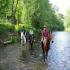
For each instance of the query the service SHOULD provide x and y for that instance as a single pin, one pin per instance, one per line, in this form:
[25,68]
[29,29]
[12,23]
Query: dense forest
[14,14]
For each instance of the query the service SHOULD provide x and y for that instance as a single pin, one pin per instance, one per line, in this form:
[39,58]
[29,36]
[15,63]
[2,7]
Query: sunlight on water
[59,53]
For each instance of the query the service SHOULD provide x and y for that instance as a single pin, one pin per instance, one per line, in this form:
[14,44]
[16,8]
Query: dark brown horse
[31,41]
[45,46]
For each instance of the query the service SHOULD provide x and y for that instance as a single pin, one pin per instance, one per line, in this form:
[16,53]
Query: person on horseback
[44,40]
[31,31]
[31,38]
[44,34]
[23,38]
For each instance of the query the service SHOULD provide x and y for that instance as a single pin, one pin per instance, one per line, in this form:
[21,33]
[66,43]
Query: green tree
[35,13]
[5,8]
[67,21]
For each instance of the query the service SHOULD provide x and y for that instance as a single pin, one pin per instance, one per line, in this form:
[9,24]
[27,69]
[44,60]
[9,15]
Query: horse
[31,41]
[45,46]
[23,39]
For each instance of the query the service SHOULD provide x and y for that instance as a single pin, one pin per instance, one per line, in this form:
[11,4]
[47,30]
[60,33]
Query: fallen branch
[7,42]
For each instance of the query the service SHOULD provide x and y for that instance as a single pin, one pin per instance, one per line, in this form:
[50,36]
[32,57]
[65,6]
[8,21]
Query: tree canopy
[67,21]
[31,13]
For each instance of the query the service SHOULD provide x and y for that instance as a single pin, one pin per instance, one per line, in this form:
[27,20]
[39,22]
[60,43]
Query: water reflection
[59,53]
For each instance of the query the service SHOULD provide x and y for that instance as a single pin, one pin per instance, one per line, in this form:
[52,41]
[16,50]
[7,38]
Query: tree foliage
[67,21]
[35,13]
[5,6]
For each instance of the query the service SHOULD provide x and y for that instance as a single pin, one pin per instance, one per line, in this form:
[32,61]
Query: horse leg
[43,54]
[46,54]
[31,46]
[42,45]
[47,48]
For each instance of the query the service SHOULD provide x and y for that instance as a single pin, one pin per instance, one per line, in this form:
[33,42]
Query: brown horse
[31,41]
[45,46]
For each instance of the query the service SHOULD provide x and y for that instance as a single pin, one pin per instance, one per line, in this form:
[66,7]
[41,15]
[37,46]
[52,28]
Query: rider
[31,33]
[44,41]
[44,34]
[31,37]
[23,34]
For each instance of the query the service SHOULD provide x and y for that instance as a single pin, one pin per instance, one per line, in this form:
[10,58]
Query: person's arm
[25,32]
[41,33]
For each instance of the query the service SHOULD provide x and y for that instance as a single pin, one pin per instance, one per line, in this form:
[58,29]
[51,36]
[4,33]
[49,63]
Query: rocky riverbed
[14,57]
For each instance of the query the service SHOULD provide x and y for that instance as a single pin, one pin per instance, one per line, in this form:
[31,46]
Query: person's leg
[21,38]
[24,39]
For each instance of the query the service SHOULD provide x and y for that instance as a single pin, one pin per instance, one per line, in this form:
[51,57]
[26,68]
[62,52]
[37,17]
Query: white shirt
[31,31]
[22,35]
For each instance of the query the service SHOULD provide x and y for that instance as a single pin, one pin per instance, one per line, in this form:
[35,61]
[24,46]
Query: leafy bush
[15,38]
[18,27]
[6,27]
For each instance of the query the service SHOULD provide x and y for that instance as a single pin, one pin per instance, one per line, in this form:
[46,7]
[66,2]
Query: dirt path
[11,58]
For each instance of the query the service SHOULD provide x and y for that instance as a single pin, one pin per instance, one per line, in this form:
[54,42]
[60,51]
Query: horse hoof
[46,57]
[44,60]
